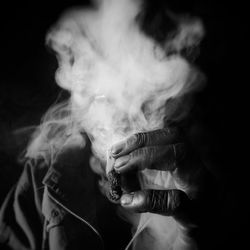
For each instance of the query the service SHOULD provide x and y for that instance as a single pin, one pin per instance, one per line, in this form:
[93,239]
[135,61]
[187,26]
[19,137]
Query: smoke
[121,81]
[118,77]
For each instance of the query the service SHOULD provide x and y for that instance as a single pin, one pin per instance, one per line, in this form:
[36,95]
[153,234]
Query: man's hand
[160,150]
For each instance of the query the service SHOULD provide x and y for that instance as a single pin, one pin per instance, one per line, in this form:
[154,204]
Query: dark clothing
[60,207]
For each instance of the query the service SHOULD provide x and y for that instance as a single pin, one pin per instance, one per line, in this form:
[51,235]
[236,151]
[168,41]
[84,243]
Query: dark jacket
[60,207]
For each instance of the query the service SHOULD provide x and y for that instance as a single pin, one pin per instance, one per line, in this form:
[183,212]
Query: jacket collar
[72,183]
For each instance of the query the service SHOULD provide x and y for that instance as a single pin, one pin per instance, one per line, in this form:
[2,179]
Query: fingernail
[117,148]
[126,199]
[121,161]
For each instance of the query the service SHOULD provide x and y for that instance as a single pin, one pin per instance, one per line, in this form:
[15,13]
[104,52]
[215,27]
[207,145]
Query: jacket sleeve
[21,220]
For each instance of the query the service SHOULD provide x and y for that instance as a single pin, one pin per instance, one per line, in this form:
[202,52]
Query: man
[59,206]
[117,87]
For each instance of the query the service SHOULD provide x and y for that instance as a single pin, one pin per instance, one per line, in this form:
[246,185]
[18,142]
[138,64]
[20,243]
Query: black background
[27,89]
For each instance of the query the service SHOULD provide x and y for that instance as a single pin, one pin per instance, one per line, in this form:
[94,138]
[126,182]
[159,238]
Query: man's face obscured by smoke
[120,78]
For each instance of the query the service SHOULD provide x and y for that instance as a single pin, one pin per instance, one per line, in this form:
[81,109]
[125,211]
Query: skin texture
[160,150]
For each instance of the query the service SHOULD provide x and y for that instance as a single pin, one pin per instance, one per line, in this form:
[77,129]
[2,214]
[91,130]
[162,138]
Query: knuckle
[150,154]
[141,139]
[138,156]
[157,201]
[167,202]
[143,156]
[133,141]
[136,153]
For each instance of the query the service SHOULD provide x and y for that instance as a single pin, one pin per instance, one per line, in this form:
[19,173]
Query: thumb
[166,202]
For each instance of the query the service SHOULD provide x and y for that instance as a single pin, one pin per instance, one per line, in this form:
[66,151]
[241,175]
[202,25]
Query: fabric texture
[59,207]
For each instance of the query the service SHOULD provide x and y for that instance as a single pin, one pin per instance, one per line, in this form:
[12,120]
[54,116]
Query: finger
[165,158]
[153,138]
[165,202]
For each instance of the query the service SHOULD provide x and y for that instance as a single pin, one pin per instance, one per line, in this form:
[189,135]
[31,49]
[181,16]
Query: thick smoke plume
[119,78]
[120,81]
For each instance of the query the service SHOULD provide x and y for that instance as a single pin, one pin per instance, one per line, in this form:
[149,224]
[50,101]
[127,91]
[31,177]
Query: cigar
[114,191]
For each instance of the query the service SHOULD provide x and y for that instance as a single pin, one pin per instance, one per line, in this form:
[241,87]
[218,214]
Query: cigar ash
[115,190]
[114,179]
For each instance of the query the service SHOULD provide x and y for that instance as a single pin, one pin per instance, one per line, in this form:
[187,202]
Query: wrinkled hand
[160,150]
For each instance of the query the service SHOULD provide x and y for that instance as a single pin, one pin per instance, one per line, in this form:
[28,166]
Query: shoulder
[69,160]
